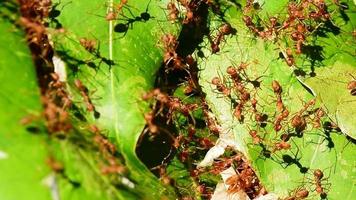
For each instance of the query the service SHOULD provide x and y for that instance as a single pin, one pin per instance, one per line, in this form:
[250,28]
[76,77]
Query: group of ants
[236,89]
[303,20]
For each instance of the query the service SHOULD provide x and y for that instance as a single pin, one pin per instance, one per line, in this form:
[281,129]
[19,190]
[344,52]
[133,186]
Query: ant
[234,74]
[282,116]
[318,175]
[87,100]
[121,5]
[210,119]
[149,117]
[298,194]
[89,45]
[224,30]
[55,165]
[289,58]
[318,114]
[173,11]
[221,87]
[249,23]
[318,180]
[99,139]
[298,122]
[58,86]
[255,137]
[224,163]
[352,86]
[282,145]
[171,58]
[277,89]
[245,179]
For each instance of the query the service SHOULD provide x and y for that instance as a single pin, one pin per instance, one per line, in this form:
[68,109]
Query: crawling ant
[277,89]
[255,137]
[352,86]
[87,100]
[234,74]
[249,23]
[298,122]
[224,30]
[289,57]
[319,113]
[149,117]
[171,58]
[318,179]
[298,194]
[105,146]
[210,119]
[110,16]
[224,163]
[173,11]
[89,45]
[163,176]
[307,105]
[113,169]
[238,112]
[121,5]
[245,180]
[318,175]
[221,86]
[282,145]
[55,165]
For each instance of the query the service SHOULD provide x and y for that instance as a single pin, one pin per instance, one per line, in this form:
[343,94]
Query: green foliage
[22,151]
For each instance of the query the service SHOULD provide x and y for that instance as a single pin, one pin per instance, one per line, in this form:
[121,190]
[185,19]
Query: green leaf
[317,149]
[124,70]
[335,71]
[22,153]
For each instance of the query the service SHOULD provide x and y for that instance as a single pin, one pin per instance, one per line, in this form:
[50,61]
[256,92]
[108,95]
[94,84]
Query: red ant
[245,180]
[248,22]
[84,92]
[149,121]
[255,137]
[298,194]
[210,120]
[170,44]
[352,86]
[289,57]
[89,45]
[234,74]
[55,165]
[318,179]
[221,87]
[173,11]
[224,163]
[224,30]
[298,122]
[282,145]
[277,89]
[121,5]
[238,112]
[318,114]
